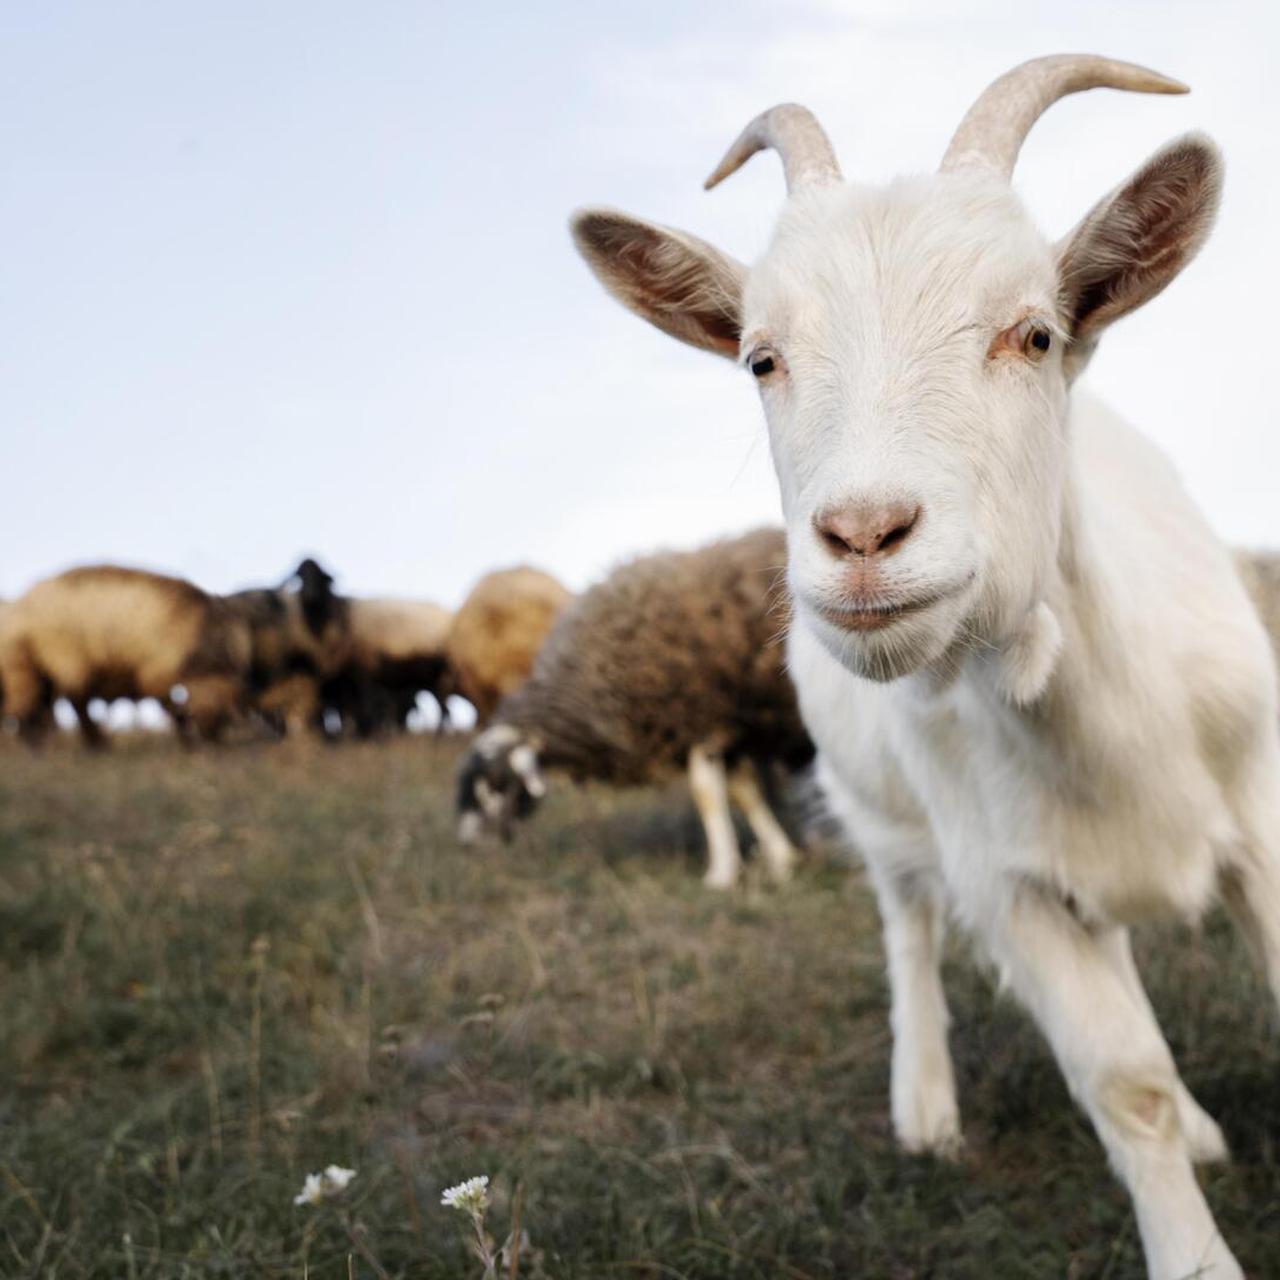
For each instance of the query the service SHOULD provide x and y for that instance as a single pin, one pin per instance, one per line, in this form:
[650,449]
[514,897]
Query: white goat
[1039,691]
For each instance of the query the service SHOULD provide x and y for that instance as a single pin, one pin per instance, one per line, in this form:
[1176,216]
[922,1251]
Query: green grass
[222,970]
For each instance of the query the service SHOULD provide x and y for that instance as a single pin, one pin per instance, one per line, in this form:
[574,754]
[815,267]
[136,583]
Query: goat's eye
[763,361]
[1029,338]
[1032,338]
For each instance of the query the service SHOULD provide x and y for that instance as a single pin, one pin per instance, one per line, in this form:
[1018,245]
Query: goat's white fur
[1080,732]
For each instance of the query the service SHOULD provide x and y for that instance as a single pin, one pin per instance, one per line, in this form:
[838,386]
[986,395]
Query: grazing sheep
[674,661]
[108,632]
[1038,688]
[301,638]
[497,632]
[397,652]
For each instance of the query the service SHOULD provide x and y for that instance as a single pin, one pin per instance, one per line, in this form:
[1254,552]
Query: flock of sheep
[673,661]
[292,658]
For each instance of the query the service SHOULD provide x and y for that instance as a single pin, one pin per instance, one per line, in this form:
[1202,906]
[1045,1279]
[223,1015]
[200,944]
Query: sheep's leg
[1204,1137]
[28,698]
[775,845]
[710,795]
[1118,1067]
[926,1116]
[90,729]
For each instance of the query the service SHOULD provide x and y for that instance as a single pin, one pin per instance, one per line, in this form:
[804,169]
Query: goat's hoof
[932,1131]
[942,1146]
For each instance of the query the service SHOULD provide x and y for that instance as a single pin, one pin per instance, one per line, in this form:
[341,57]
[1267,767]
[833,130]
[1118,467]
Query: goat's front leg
[926,1117]
[775,845]
[1204,1137]
[711,797]
[1118,1067]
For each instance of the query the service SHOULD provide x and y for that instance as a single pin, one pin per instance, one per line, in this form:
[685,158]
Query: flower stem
[355,1232]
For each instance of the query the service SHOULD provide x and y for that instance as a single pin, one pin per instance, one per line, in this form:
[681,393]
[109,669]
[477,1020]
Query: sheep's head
[499,782]
[913,347]
[320,604]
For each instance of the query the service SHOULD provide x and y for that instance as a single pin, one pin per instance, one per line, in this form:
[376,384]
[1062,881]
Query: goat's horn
[995,127]
[795,134]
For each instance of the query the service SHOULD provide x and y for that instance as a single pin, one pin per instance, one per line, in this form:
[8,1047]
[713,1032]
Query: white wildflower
[471,1196]
[324,1186]
[312,1190]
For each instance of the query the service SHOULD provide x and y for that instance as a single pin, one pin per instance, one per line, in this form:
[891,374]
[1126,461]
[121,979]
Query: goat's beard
[904,647]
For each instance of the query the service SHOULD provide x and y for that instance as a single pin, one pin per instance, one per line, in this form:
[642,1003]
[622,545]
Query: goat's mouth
[850,617]
[888,635]
[877,613]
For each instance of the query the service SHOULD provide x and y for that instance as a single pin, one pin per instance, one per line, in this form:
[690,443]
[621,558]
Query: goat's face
[913,347]
[916,423]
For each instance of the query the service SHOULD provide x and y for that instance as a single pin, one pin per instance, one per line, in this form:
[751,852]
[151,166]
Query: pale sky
[294,277]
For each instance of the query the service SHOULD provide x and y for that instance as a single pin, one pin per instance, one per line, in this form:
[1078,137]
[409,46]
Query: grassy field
[222,970]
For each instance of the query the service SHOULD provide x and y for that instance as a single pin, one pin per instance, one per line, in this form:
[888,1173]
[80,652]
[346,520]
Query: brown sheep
[302,638]
[397,651]
[109,632]
[674,661]
[497,633]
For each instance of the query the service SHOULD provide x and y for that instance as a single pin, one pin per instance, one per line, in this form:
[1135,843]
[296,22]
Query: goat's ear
[675,281]
[1132,243]
[1136,240]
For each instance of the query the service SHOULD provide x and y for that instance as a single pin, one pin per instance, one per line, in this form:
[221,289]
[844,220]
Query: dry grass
[221,970]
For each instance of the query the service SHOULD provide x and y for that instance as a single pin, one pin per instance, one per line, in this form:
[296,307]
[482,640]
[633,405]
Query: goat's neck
[1080,592]
[1085,590]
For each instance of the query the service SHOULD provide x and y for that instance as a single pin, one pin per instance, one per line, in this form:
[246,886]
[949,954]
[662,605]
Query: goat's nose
[866,529]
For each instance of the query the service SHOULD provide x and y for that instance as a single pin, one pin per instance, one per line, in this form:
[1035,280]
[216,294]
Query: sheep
[397,651]
[104,631]
[497,632]
[674,661]
[1039,692]
[302,637]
